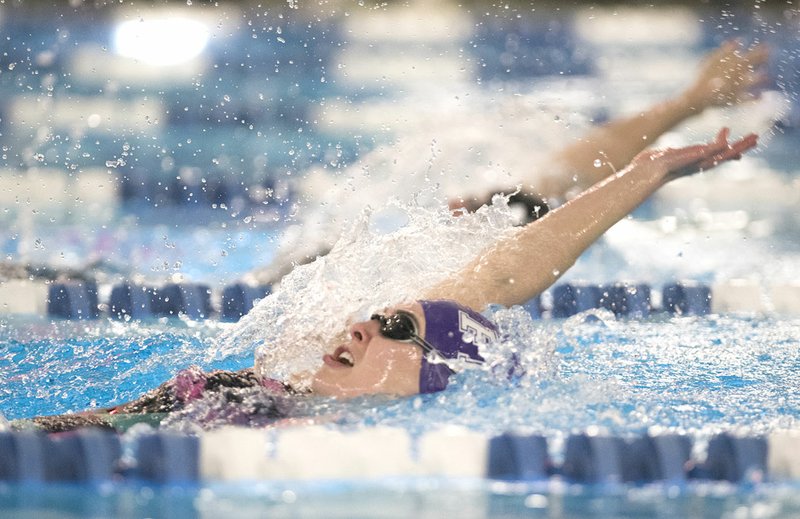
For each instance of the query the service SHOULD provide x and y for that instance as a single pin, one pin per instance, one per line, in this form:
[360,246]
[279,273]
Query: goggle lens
[399,327]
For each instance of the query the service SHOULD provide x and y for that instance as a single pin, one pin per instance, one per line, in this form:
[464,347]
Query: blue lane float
[534,307]
[610,459]
[593,459]
[73,300]
[92,455]
[166,458]
[21,456]
[572,298]
[238,299]
[518,457]
[686,298]
[191,190]
[79,299]
[173,299]
[627,300]
[735,459]
[624,299]
[87,455]
[130,300]
[674,453]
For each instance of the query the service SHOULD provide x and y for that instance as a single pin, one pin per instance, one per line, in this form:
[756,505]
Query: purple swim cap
[447,324]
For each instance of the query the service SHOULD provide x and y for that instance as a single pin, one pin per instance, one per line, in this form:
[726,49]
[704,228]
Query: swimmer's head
[455,332]
[405,350]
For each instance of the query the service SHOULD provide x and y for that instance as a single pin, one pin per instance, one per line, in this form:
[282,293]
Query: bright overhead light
[161,41]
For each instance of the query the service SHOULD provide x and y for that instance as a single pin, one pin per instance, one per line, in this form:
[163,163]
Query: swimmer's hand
[673,163]
[729,75]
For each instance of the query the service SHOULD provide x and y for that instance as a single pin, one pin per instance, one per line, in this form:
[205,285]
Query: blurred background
[181,139]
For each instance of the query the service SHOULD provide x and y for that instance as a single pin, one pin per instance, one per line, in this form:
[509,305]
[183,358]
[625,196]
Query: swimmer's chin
[314,383]
[322,385]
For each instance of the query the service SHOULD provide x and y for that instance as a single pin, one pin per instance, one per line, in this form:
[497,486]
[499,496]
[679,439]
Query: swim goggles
[402,326]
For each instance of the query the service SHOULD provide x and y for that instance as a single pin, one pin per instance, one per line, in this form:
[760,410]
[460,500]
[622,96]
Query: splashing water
[388,257]
[449,148]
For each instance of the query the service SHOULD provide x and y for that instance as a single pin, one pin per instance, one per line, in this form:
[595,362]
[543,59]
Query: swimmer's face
[371,364]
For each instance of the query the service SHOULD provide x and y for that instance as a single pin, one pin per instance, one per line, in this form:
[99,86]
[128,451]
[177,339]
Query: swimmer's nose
[364,331]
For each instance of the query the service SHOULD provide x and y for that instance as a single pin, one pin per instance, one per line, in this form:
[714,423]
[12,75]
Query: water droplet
[115,163]
[598,163]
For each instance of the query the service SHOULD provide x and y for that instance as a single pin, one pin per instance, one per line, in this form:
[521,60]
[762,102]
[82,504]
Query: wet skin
[370,364]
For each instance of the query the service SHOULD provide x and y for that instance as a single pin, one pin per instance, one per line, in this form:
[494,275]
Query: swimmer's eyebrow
[391,310]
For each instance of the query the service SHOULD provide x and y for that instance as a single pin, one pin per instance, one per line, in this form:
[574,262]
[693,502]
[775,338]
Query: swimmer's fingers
[684,161]
[694,159]
[734,151]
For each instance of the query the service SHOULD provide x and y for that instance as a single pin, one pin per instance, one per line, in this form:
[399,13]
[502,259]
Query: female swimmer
[415,348]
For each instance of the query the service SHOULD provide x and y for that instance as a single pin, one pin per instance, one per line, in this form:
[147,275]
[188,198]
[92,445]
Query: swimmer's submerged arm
[520,266]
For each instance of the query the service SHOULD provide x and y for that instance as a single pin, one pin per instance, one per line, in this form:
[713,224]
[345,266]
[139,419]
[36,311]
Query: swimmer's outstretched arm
[522,265]
[729,75]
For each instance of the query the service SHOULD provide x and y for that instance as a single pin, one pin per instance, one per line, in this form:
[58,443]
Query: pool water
[290,94]
[396,499]
[693,375]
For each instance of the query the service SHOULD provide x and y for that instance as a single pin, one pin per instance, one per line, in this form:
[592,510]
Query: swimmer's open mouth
[344,357]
